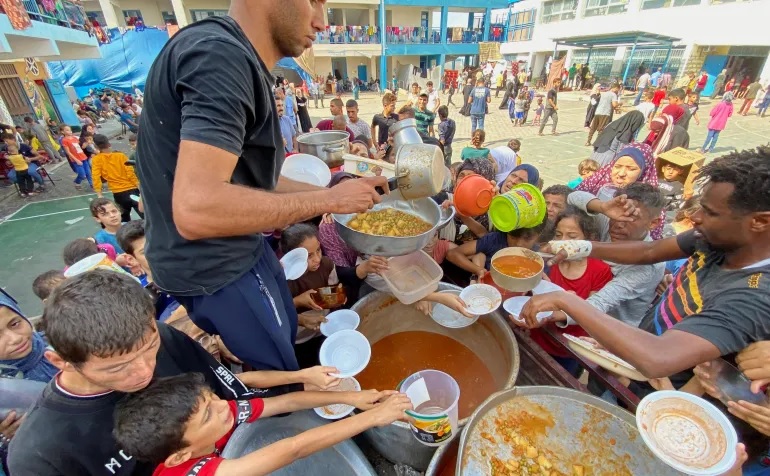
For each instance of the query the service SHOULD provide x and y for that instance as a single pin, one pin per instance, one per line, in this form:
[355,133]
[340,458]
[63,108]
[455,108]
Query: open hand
[319,377]
[701,372]
[306,300]
[758,416]
[540,303]
[754,362]
[10,424]
[374,265]
[368,399]
[311,320]
[620,208]
[391,409]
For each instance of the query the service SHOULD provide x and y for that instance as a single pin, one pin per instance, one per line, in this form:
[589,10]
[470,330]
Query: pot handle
[442,223]
[392,185]
[333,150]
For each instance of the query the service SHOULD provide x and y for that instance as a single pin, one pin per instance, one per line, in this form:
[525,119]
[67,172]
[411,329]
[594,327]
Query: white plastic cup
[90,263]
[18,395]
[435,396]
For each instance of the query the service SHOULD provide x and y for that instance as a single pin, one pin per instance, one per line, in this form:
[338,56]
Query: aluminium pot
[425,208]
[405,132]
[490,338]
[328,146]
[420,171]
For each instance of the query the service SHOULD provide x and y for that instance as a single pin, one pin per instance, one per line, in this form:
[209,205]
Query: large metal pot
[490,338]
[442,459]
[577,428]
[420,170]
[425,208]
[328,146]
[405,132]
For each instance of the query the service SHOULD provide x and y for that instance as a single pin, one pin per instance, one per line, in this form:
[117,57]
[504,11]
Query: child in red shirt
[581,277]
[179,424]
[657,98]
[78,160]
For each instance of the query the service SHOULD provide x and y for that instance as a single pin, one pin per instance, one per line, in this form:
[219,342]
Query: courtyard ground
[34,231]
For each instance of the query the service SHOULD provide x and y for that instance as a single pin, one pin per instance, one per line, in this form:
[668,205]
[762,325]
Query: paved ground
[32,239]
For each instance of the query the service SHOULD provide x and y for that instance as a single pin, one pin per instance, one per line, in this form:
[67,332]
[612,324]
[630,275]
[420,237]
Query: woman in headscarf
[302,112]
[616,136]
[634,163]
[466,109]
[666,135]
[524,173]
[333,246]
[593,102]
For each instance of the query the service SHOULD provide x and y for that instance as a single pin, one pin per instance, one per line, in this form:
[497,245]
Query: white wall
[407,16]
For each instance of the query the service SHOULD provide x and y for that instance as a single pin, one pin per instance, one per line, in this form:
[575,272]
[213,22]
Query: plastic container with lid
[412,277]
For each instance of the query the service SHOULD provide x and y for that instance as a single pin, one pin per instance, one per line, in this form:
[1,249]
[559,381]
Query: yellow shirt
[111,166]
[19,164]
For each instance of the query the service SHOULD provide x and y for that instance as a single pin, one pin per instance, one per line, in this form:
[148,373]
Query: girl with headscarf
[616,136]
[666,135]
[22,349]
[476,147]
[593,102]
[634,163]
[332,244]
[524,173]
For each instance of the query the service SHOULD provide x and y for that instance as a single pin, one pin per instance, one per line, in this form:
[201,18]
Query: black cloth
[673,192]
[383,123]
[508,94]
[207,85]
[684,121]
[68,436]
[679,138]
[126,203]
[304,117]
[466,109]
[623,130]
[551,97]
[593,103]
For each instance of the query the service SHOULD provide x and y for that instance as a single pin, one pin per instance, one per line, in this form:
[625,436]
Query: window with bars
[652,4]
[559,10]
[605,7]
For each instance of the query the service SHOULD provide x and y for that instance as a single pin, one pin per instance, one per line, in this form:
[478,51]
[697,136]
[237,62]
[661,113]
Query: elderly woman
[634,163]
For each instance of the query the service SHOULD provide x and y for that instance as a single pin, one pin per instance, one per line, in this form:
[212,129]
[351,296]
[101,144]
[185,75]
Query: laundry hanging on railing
[17,14]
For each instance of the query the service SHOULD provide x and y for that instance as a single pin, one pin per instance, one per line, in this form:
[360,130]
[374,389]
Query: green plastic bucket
[521,207]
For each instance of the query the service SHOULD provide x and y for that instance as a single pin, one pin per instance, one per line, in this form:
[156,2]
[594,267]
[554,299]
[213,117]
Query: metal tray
[342,459]
[586,430]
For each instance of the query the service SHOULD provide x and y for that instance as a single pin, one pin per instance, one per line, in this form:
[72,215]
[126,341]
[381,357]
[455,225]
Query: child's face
[554,204]
[568,229]
[67,131]
[110,217]
[207,425]
[132,144]
[138,254]
[671,172]
[313,247]
[15,335]
[585,173]
[674,100]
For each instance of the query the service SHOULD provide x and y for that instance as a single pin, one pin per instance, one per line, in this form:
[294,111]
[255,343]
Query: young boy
[586,168]
[657,98]
[147,426]
[106,213]
[121,179]
[78,160]
[45,283]
[671,186]
[693,104]
[676,106]
[81,248]
[446,133]
[21,166]
[647,107]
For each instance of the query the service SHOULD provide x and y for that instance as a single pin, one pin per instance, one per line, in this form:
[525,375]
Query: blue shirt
[490,244]
[479,102]
[655,77]
[573,184]
[105,237]
[289,106]
[288,131]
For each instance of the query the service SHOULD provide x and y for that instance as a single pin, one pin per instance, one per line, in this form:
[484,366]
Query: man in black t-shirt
[102,325]
[719,301]
[382,122]
[209,159]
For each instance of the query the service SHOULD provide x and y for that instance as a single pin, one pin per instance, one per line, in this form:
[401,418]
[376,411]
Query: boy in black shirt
[147,424]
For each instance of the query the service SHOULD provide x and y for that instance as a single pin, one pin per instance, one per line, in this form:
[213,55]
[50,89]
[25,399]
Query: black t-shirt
[68,436]
[384,124]
[673,192]
[552,95]
[207,85]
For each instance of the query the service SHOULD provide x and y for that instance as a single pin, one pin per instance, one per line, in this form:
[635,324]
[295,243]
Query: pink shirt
[719,115]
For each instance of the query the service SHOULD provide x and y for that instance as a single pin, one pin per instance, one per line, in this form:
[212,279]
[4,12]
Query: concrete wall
[150,9]
[323,66]
[407,16]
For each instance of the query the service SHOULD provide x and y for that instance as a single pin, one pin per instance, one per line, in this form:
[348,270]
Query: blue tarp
[125,60]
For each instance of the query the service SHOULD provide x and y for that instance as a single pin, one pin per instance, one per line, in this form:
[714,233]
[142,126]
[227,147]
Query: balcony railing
[348,34]
[64,13]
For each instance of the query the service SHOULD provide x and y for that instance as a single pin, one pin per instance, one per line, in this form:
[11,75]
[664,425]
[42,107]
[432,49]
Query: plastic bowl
[330,297]
[732,384]
[481,299]
[341,320]
[668,419]
[546,287]
[472,195]
[306,168]
[349,351]
[339,410]
[295,263]
[514,305]
[519,285]
[450,318]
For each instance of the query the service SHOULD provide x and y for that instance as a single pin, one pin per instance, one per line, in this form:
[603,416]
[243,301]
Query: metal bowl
[329,146]
[424,208]
[517,285]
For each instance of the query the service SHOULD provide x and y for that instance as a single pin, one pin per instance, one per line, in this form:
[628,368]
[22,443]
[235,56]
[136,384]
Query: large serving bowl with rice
[425,209]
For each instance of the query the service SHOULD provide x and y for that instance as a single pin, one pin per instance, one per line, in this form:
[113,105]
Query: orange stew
[516,266]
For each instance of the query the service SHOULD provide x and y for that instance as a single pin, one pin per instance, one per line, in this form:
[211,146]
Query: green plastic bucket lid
[521,207]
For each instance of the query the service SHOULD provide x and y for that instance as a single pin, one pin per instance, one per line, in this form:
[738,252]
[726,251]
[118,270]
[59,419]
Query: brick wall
[694,62]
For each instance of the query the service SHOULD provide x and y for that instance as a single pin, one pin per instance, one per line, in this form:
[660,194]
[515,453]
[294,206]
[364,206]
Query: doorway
[362,73]
[340,68]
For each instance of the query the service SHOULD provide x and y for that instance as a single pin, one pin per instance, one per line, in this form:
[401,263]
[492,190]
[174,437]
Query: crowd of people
[149,368]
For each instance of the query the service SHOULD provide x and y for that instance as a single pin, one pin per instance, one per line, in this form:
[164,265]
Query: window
[168,17]
[98,16]
[131,14]
[559,10]
[198,15]
[605,7]
[650,4]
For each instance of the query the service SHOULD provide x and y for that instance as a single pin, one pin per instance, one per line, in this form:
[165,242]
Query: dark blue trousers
[255,315]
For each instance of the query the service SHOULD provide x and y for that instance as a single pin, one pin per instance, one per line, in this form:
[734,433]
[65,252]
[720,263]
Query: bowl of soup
[516,269]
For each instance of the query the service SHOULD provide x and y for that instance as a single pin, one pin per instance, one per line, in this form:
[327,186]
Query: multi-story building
[358,41]
[29,35]
[620,35]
